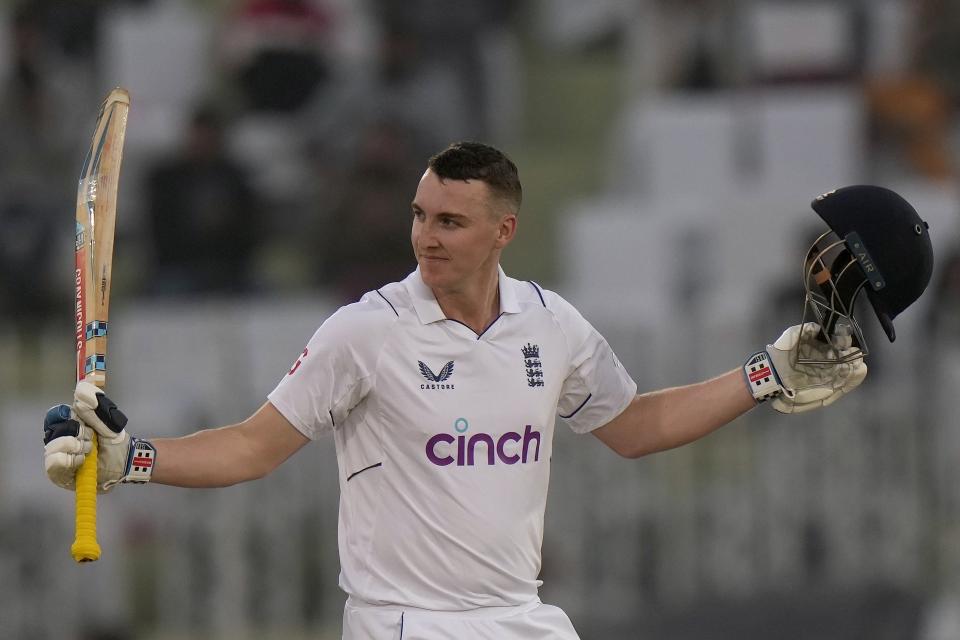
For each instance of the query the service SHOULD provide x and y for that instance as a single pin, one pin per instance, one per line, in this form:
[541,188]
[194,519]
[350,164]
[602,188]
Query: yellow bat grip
[85,547]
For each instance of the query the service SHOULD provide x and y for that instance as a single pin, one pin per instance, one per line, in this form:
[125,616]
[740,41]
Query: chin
[435,275]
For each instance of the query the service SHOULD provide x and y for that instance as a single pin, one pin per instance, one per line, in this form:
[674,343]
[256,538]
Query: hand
[66,443]
[794,387]
[67,434]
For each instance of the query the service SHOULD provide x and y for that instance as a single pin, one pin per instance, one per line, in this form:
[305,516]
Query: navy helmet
[882,245]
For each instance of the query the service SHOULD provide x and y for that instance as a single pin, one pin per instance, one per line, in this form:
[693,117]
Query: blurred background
[669,151]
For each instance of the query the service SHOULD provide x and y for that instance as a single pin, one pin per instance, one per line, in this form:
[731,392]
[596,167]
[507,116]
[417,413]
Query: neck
[475,305]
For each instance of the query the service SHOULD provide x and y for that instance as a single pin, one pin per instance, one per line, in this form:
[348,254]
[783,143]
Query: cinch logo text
[510,448]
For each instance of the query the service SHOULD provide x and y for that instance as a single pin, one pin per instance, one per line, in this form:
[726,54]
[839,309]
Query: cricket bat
[96,220]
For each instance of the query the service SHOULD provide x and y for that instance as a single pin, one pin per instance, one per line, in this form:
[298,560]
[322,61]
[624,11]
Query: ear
[506,229]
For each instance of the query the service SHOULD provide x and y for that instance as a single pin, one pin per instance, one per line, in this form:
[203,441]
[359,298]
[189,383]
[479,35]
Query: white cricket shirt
[444,437]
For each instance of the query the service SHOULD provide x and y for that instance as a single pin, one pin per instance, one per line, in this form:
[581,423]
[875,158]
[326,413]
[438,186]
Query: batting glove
[67,433]
[65,445]
[793,387]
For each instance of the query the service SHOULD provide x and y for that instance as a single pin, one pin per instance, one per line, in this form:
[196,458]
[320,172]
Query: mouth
[433,259]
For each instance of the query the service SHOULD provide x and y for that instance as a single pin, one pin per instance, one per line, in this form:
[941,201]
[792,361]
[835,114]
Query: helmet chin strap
[832,282]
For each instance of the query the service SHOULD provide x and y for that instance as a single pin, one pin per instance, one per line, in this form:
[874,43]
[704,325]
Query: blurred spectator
[937,44]
[697,52]
[36,187]
[363,241]
[203,216]
[943,320]
[29,284]
[433,54]
[915,114]
[915,109]
[74,25]
[276,53]
[36,141]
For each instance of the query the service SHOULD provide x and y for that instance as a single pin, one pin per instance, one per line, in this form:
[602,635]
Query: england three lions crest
[532,365]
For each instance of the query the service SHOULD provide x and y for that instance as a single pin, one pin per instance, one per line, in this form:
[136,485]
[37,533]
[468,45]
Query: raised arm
[673,417]
[209,458]
[222,457]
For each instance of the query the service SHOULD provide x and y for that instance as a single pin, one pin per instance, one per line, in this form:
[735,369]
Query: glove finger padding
[66,445]
[99,411]
[101,414]
[811,386]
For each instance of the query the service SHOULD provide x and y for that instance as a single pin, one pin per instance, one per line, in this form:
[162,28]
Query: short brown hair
[477,161]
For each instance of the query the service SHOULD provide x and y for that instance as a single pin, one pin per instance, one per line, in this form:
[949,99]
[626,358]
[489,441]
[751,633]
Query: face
[458,232]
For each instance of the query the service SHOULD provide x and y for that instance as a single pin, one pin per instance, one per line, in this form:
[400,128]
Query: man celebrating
[441,392]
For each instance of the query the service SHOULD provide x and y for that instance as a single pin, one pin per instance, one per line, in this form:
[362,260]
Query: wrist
[761,377]
[135,466]
[140,461]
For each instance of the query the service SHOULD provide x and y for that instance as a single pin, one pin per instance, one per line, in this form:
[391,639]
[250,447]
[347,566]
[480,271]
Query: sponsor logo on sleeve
[296,365]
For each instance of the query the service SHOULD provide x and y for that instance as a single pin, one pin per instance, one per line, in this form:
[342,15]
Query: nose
[426,234]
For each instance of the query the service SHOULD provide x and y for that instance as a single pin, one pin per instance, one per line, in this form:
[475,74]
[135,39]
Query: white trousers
[532,621]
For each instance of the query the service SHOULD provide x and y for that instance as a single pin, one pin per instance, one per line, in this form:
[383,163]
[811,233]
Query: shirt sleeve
[334,372]
[597,388]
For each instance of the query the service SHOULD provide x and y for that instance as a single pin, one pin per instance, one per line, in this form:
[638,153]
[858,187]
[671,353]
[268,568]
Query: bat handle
[85,547]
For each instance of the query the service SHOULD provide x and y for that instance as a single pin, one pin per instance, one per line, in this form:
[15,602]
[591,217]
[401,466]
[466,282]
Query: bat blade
[96,213]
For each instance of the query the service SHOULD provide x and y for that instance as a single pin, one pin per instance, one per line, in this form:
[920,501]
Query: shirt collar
[428,309]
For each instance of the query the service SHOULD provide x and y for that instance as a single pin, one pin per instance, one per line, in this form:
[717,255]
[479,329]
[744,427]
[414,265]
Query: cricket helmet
[876,241]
